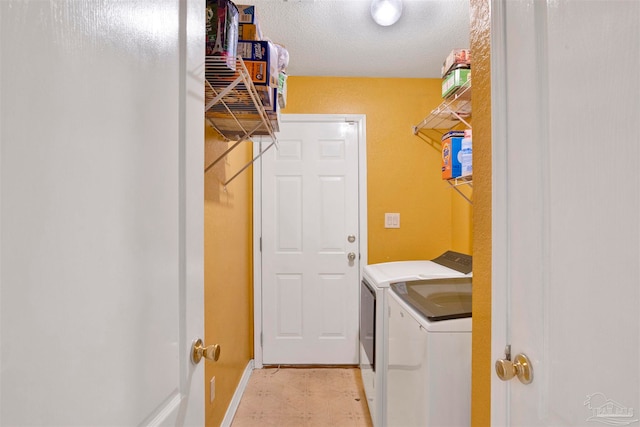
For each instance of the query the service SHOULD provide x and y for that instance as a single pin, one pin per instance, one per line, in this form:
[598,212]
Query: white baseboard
[235,401]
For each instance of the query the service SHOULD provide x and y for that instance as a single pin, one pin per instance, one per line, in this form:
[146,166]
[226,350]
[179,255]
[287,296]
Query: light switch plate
[391,220]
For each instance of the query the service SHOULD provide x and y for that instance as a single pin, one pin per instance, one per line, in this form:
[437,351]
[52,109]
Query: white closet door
[101,218]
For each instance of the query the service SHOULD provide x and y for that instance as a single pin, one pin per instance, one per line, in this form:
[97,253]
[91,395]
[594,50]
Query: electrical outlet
[391,220]
[212,388]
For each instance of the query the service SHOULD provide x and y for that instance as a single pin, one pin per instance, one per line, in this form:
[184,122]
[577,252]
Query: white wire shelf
[452,112]
[234,108]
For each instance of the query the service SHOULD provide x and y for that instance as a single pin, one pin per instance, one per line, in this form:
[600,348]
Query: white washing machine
[429,359]
[374,317]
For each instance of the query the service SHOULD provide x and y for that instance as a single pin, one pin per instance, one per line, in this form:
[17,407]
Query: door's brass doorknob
[520,367]
[198,351]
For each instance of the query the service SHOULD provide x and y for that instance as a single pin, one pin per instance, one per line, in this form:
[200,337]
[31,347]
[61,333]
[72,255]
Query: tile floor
[303,397]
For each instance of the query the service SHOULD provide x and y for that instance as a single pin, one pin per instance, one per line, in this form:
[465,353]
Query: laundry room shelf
[233,107]
[453,113]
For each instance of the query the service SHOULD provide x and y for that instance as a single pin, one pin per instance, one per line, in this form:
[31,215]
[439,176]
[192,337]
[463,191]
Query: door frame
[499,262]
[360,121]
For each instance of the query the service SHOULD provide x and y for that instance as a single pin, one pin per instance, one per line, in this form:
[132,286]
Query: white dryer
[374,317]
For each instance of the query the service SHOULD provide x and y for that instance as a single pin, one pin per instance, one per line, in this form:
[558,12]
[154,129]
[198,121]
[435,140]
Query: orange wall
[482,365]
[228,271]
[403,170]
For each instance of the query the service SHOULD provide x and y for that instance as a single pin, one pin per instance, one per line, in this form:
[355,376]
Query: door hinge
[260,339]
[507,352]
[260,244]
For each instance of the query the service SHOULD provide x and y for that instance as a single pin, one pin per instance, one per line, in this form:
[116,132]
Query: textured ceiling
[339,37]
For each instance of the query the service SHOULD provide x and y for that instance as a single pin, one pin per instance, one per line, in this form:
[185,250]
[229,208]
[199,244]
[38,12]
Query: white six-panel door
[309,229]
[566,217]
[101,221]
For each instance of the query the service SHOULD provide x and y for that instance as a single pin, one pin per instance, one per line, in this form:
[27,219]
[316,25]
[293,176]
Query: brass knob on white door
[520,367]
[198,351]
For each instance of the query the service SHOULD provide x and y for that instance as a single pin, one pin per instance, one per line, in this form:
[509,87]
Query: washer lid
[383,274]
[439,298]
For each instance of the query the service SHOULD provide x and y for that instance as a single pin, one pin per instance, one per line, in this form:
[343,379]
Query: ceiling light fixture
[386,12]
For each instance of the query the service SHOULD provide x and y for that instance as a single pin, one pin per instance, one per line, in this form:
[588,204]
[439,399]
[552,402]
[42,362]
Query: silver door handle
[351,257]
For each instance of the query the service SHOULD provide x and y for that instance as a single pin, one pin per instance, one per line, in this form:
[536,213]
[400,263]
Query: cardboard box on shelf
[250,120]
[269,98]
[266,96]
[458,57]
[222,30]
[450,166]
[457,156]
[249,32]
[454,80]
[260,58]
[247,14]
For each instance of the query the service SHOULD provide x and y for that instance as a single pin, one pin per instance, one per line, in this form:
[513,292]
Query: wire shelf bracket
[455,183]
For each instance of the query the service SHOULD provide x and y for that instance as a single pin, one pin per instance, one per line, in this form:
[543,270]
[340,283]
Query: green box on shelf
[454,81]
